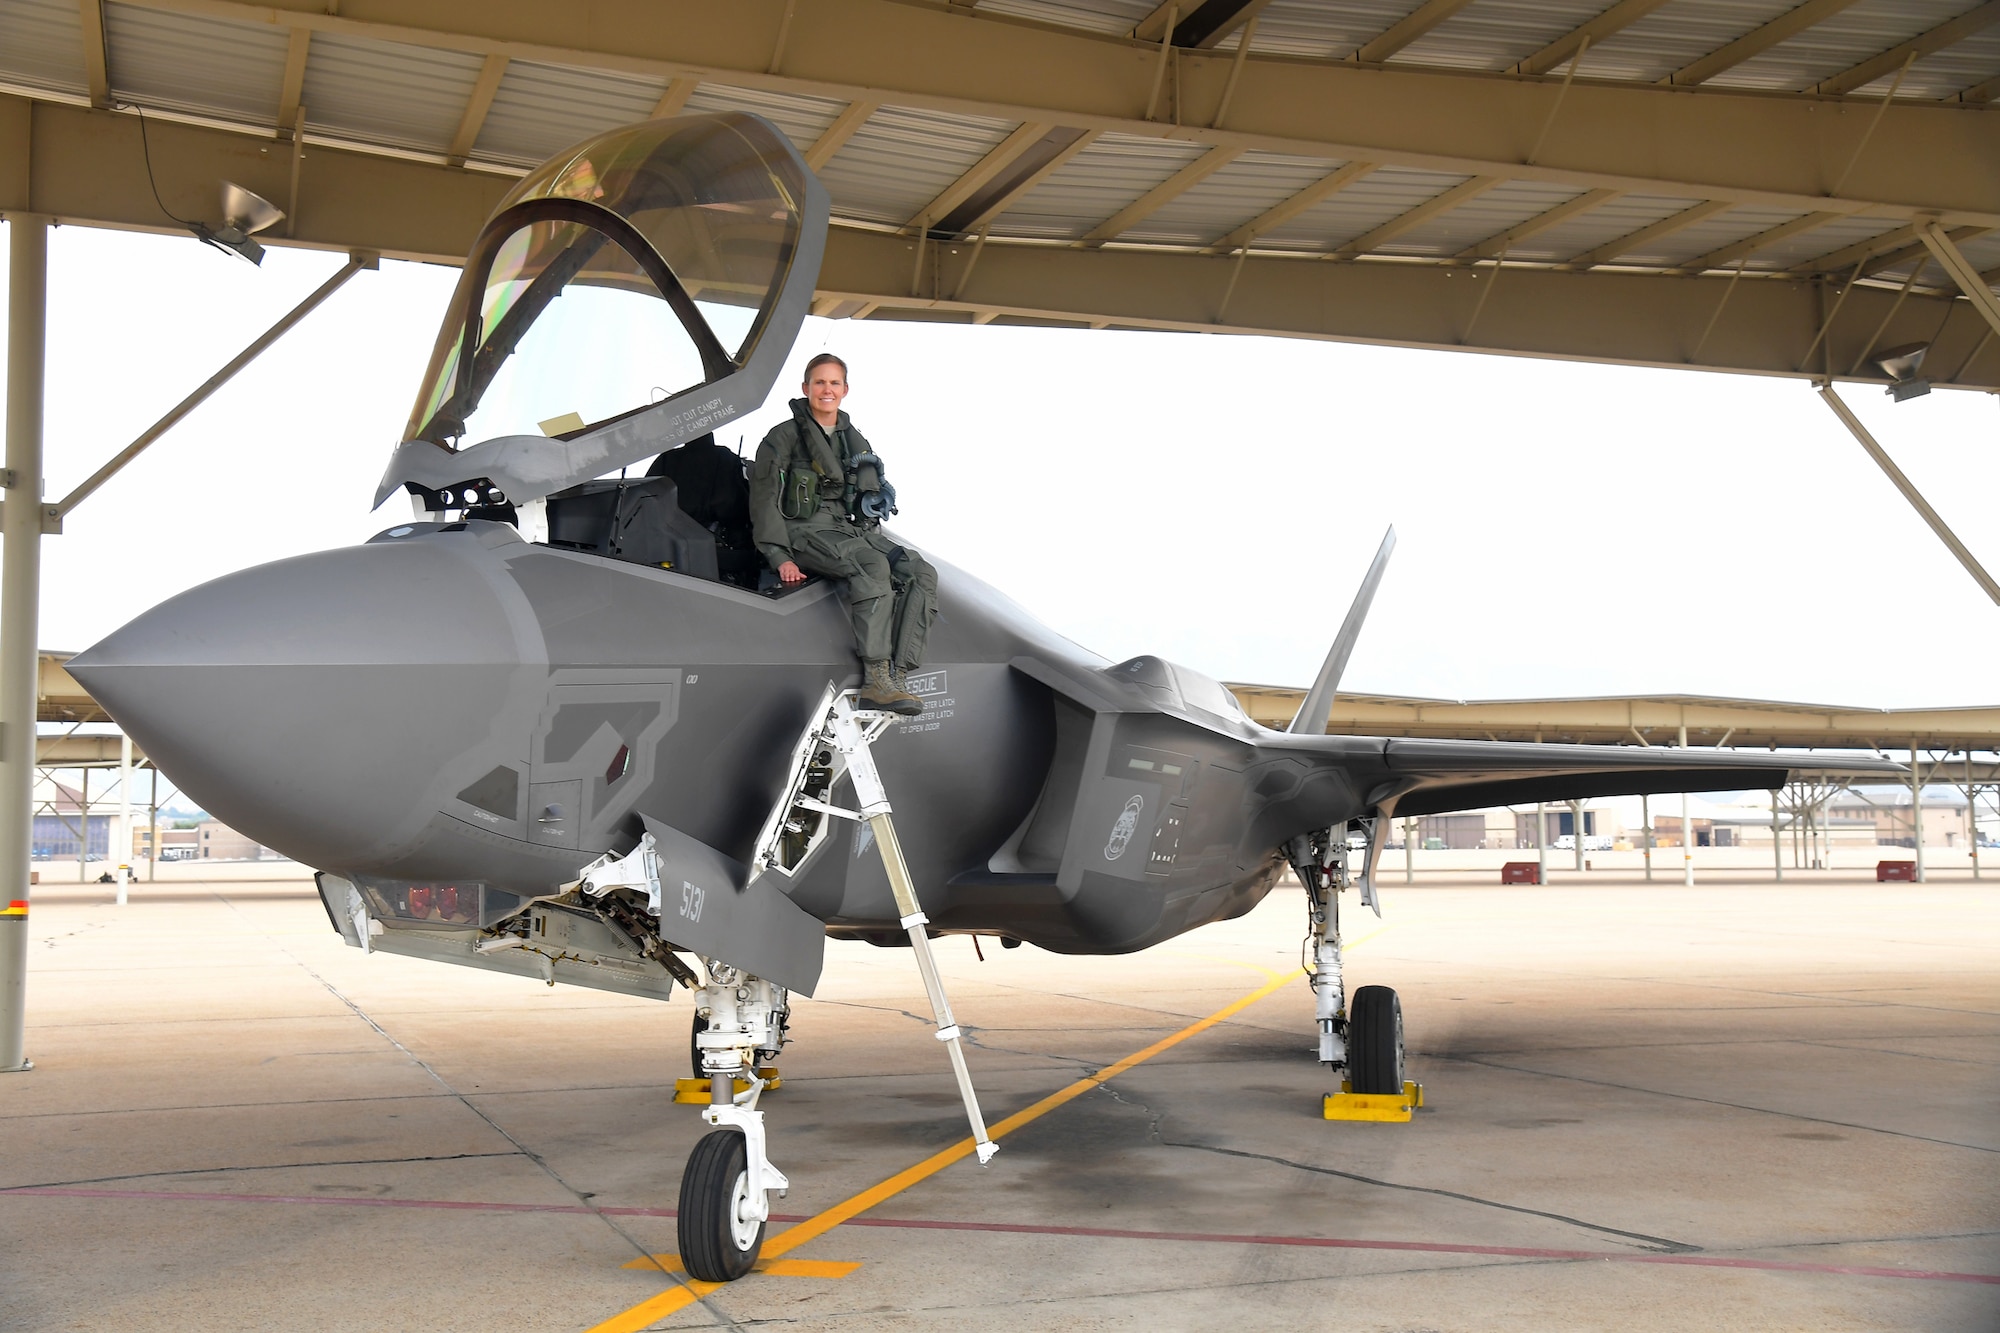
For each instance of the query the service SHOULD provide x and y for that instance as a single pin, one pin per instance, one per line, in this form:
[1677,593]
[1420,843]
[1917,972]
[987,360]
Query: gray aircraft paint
[337,706]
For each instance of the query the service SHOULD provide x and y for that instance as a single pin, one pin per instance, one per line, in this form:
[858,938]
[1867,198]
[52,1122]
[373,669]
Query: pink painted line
[1433,1247]
[1032,1229]
[470,1206]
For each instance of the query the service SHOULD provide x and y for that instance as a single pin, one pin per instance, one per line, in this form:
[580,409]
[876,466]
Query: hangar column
[20,608]
[1917,808]
[1687,827]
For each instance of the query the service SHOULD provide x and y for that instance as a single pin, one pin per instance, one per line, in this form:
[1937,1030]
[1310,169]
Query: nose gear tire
[1375,1041]
[719,1241]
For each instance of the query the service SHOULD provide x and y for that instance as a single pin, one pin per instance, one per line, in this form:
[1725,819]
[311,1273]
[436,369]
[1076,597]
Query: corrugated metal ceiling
[1239,192]
[1111,17]
[394,96]
[539,110]
[1317,29]
[803,119]
[1494,35]
[1598,227]
[1971,60]
[1487,215]
[1676,35]
[1840,42]
[386,92]
[1362,206]
[41,46]
[1095,184]
[903,158]
[189,63]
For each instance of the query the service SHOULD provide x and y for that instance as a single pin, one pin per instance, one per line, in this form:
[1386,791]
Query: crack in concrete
[1657,1244]
[1152,1126]
[1715,1101]
[584,1197]
[276,1166]
[820,1319]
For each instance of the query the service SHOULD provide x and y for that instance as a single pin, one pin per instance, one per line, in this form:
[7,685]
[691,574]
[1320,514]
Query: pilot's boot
[880,692]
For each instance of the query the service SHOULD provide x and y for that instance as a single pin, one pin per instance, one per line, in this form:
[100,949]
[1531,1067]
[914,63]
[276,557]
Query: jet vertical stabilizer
[1311,717]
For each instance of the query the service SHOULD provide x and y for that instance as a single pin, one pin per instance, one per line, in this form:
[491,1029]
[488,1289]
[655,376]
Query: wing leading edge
[1427,777]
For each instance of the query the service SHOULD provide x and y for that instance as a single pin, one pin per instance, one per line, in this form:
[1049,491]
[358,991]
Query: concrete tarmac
[1741,1106]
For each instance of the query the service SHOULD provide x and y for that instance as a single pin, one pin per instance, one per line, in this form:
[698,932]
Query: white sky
[1563,529]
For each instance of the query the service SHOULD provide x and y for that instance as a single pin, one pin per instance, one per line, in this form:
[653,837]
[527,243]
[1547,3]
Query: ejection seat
[637,521]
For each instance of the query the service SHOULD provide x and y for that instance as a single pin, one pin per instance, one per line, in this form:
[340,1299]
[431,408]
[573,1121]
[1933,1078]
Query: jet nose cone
[316,703]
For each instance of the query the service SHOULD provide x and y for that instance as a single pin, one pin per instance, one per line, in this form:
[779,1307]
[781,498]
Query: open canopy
[628,295]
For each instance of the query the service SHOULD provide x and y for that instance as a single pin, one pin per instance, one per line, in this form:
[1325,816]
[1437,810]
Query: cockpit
[632,294]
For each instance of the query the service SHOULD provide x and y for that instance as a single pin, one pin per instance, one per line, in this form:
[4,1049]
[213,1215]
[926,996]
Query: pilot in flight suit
[807,489]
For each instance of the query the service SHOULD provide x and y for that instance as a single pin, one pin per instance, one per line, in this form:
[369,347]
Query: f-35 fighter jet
[545,727]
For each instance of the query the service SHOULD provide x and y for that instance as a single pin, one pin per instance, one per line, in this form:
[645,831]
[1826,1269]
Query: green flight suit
[891,590]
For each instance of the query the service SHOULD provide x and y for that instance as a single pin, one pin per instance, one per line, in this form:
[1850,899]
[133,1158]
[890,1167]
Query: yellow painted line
[1233,962]
[680,1297]
[677,1298]
[830,1268]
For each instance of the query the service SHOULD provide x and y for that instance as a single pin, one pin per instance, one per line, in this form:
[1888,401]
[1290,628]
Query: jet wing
[1427,777]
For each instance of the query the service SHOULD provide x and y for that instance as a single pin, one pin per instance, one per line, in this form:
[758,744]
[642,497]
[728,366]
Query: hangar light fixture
[243,215]
[1901,365]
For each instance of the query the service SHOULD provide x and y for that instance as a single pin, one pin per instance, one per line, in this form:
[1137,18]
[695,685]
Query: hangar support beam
[20,610]
[355,263]
[1768,328]
[398,207]
[1970,280]
[1910,493]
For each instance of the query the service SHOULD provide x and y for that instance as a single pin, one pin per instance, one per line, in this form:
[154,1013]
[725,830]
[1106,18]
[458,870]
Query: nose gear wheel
[720,1233]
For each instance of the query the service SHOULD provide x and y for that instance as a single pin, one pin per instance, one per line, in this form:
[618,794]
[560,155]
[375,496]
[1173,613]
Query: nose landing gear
[727,1186]
[725,1191]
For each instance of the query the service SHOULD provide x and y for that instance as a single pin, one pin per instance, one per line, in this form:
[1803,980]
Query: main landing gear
[1364,1039]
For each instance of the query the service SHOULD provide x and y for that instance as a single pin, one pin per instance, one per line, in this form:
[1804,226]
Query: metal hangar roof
[1731,184]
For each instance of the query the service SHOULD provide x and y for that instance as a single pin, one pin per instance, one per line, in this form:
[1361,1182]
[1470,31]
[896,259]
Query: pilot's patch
[1122,831]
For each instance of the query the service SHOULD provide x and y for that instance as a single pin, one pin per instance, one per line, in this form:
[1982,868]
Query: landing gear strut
[726,1188]
[725,1191]
[1363,1041]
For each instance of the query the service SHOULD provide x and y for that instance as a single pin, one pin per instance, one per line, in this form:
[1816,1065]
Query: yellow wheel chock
[1388,1107]
[695,1091]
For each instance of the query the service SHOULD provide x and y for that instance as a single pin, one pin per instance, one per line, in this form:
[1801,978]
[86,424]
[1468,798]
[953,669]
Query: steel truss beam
[1571,44]
[1767,328]
[1912,494]
[407,209]
[476,107]
[1973,283]
[1412,27]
